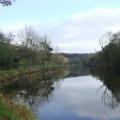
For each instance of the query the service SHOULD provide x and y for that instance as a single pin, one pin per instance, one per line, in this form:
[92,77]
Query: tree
[46,50]
[109,57]
[7,38]
[28,49]
[33,44]
[8,56]
[6,2]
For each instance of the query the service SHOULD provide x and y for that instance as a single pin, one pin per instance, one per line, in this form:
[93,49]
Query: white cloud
[80,95]
[80,32]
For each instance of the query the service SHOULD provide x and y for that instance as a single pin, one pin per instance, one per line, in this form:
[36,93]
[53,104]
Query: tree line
[109,57]
[32,50]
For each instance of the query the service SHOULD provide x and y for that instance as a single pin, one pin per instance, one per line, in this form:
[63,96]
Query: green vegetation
[108,59]
[34,50]
[33,54]
[36,85]
[77,60]
[11,111]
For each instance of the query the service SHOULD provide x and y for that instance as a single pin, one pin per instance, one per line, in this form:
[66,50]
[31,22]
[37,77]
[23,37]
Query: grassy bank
[11,111]
[9,75]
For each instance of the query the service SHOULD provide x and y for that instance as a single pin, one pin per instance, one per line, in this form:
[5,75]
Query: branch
[6,2]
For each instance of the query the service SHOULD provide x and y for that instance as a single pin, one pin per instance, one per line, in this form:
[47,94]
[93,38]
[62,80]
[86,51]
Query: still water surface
[77,98]
[82,97]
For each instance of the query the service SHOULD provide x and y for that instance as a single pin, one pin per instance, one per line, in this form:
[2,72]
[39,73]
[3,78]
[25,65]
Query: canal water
[68,96]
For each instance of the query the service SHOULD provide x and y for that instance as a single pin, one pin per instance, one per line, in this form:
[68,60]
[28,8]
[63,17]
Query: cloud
[82,31]
[80,96]
[18,25]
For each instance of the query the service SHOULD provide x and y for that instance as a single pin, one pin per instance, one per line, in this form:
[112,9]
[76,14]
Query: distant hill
[76,58]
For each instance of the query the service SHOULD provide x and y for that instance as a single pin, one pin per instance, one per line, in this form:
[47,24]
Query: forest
[108,59]
[32,51]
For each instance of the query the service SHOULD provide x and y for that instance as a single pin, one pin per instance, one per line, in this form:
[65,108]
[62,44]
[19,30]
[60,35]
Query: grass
[11,111]
[7,75]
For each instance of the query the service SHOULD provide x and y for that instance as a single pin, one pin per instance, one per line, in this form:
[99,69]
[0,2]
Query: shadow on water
[111,85]
[33,89]
[37,88]
[78,71]
[41,92]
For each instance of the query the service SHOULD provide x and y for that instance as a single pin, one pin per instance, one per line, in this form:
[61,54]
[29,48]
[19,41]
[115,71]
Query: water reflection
[78,99]
[33,89]
[60,95]
[78,71]
[111,83]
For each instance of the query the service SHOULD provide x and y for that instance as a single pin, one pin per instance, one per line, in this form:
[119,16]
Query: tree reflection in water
[111,86]
[33,89]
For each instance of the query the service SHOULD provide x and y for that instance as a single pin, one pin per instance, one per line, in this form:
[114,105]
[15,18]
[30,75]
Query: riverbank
[12,111]
[32,76]
[8,76]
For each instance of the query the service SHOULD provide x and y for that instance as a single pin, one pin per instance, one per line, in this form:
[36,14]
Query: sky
[73,26]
